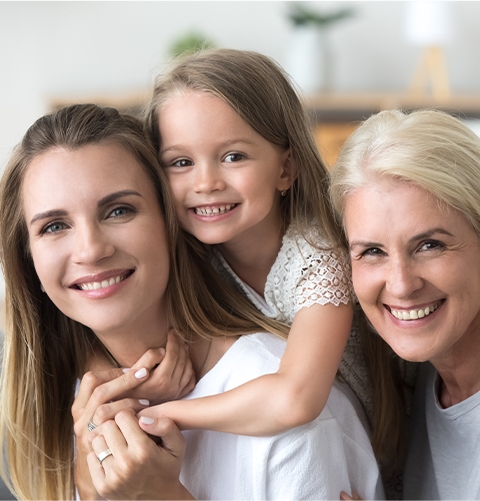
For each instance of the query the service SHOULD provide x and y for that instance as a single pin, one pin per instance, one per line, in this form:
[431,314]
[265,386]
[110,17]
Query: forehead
[390,207]
[62,176]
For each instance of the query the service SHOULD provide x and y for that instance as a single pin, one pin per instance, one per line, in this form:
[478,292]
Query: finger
[171,355]
[345,497]
[108,411]
[150,359]
[165,428]
[188,381]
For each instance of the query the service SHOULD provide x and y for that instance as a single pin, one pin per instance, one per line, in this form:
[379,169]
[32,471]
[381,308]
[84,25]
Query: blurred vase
[308,59]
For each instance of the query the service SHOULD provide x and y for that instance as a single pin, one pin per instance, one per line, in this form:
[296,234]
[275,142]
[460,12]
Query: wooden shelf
[336,115]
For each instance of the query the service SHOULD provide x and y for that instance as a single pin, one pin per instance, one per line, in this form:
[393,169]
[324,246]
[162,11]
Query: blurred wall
[50,49]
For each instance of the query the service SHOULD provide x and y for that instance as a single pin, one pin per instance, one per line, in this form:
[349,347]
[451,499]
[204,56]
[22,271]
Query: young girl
[247,180]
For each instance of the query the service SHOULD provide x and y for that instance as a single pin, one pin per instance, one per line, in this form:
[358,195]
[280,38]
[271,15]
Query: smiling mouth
[93,286]
[214,210]
[416,313]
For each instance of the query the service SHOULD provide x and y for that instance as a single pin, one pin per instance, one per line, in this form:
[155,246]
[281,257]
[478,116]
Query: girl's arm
[293,396]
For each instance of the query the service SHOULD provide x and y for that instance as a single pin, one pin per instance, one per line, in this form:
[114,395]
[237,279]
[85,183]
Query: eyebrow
[221,144]
[103,201]
[415,238]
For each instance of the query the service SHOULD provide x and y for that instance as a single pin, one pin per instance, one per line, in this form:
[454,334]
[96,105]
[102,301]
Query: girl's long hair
[262,94]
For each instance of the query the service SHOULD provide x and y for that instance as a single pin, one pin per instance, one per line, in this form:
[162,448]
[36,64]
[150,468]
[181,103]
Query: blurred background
[349,59]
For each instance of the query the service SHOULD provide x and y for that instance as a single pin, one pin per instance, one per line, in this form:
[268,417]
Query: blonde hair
[429,148]
[261,93]
[45,351]
[433,150]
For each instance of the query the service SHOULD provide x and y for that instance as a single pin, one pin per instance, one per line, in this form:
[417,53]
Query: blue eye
[234,157]
[120,211]
[53,228]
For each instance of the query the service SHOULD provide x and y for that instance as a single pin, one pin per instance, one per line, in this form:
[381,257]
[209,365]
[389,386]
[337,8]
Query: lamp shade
[428,23]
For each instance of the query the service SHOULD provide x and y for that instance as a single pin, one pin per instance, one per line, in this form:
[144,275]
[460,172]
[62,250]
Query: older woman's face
[416,270]
[97,235]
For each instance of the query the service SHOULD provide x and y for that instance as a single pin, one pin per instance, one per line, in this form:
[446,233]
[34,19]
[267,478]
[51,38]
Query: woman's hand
[137,467]
[94,405]
[171,372]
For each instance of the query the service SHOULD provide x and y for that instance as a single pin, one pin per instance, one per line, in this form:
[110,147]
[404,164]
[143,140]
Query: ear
[289,172]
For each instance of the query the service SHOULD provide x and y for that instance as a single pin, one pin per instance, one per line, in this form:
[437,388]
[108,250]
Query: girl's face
[416,270]
[226,178]
[97,235]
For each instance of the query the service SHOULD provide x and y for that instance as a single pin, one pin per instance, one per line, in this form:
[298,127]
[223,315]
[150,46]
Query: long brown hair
[45,351]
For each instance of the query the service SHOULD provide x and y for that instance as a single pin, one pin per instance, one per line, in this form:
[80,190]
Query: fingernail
[141,373]
[146,420]
[144,401]
[126,370]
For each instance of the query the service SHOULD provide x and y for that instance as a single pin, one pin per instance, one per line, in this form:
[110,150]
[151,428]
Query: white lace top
[301,276]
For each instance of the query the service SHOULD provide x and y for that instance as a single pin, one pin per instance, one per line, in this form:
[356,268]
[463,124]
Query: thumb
[172,439]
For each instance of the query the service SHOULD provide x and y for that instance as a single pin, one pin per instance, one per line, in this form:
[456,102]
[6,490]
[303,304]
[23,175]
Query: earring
[283,193]
[41,287]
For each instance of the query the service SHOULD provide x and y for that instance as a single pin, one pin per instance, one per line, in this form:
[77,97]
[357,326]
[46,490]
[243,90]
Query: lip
[104,291]
[216,216]
[426,315]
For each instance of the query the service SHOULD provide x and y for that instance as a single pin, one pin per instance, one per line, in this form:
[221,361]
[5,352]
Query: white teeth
[414,314]
[92,286]
[213,211]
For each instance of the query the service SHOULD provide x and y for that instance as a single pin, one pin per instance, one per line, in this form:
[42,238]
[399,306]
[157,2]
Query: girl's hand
[171,372]
[137,467]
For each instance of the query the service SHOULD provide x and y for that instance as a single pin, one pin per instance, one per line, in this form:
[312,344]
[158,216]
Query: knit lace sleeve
[304,275]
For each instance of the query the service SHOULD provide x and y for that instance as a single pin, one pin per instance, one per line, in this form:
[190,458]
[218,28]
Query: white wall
[75,48]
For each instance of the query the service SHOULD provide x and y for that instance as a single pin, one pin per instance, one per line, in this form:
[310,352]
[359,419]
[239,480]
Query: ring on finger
[91,426]
[104,455]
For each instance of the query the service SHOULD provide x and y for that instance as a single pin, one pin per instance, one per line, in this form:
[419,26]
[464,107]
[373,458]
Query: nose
[402,278]
[91,244]
[208,178]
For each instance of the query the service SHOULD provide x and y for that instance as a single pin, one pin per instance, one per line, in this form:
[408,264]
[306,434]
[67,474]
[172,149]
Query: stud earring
[284,193]
[41,287]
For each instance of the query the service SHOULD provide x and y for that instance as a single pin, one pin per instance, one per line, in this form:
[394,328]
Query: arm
[273,403]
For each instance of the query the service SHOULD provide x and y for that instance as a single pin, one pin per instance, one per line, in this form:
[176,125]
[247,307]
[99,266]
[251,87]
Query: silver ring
[91,426]
[103,455]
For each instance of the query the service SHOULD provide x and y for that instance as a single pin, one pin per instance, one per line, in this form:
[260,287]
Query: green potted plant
[189,43]
[309,60]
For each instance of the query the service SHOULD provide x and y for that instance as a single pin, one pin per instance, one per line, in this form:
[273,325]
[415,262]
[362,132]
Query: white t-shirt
[444,456]
[315,461]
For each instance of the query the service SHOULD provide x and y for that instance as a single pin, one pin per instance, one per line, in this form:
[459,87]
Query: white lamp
[428,24]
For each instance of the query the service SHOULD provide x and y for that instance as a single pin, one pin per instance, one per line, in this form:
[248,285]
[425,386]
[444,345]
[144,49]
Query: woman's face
[416,270]
[97,235]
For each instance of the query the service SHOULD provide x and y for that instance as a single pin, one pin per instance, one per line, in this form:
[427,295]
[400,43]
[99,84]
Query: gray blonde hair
[428,148]
[44,350]
[262,94]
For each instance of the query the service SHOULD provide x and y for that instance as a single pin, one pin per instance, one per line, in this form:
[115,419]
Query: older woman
[96,276]
[407,190]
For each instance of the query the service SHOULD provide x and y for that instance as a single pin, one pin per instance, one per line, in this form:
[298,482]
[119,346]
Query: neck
[204,354]
[129,342]
[460,377]
[253,256]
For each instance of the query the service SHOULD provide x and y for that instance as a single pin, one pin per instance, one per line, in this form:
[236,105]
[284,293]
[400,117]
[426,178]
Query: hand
[138,468]
[171,372]
[96,389]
